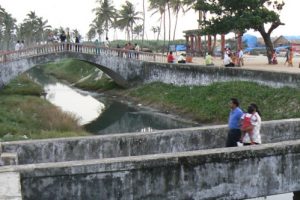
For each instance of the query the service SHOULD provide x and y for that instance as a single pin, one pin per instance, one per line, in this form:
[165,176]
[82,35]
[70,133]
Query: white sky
[78,14]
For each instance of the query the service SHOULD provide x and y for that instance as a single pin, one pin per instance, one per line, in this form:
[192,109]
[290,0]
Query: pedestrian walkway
[257,63]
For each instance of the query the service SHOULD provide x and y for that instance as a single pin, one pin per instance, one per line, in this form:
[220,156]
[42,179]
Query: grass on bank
[81,74]
[23,114]
[210,104]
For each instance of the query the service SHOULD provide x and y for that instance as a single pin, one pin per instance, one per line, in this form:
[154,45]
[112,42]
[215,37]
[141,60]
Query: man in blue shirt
[234,133]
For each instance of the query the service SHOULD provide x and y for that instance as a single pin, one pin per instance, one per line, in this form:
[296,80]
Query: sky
[77,14]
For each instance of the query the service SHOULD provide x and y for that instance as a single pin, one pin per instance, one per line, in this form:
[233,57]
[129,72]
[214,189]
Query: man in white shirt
[17,46]
[228,61]
[241,58]
[106,42]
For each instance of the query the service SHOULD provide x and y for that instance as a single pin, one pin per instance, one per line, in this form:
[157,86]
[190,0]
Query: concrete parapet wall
[185,74]
[134,144]
[224,173]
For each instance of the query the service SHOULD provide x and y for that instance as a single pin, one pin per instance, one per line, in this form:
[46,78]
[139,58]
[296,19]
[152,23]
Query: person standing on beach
[287,55]
[234,133]
[290,61]
[240,58]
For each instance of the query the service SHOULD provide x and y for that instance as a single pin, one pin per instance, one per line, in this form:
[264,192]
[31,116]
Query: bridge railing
[80,48]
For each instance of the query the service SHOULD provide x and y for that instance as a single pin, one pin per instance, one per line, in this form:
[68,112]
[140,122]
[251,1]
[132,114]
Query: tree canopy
[241,15]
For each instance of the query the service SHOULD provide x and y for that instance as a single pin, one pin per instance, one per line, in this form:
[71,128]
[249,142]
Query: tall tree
[138,31]
[128,17]
[7,29]
[242,15]
[33,28]
[105,14]
[96,28]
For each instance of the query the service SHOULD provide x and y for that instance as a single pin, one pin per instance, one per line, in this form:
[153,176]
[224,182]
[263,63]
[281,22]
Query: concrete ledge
[205,174]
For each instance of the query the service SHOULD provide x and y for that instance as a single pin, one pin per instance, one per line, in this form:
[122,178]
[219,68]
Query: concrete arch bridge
[129,67]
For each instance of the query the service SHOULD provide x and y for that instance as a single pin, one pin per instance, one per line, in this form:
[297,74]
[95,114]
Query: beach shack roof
[286,40]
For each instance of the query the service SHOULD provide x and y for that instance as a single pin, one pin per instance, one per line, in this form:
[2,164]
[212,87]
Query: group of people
[233,59]
[131,51]
[289,55]
[244,128]
[172,59]
[230,59]
[19,45]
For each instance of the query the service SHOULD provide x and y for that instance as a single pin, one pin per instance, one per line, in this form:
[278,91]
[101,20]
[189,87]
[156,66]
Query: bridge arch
[124,67]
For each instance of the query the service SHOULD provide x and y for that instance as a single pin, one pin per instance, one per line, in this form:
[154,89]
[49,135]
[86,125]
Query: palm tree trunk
[175,27]
[144,20]
[164,33]
[170,23]
[159,31]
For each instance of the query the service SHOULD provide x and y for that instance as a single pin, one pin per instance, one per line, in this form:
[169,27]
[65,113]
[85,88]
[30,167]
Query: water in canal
[100,114]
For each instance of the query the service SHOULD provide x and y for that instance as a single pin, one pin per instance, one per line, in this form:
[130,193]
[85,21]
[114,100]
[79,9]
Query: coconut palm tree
[127,18]
[105,14]
[96,28]
[7,29]
[138,31]
[41,29]
[33,29]
[155,29]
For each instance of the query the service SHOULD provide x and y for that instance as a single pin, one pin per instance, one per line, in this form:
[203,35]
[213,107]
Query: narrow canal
[101,114]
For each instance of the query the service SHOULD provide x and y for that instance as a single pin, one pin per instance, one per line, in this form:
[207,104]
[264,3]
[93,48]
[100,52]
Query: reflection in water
[85,108]
[119,117]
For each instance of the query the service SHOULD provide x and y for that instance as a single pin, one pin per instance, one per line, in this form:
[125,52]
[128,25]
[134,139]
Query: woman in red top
[170,57]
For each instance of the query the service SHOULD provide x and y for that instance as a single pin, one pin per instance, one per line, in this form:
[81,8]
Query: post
[296,195]
[192,44]
[209,43]
[199,45]
[240,44]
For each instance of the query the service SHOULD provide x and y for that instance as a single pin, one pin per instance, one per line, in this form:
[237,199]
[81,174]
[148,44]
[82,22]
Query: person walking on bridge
[234,133]
[251,133]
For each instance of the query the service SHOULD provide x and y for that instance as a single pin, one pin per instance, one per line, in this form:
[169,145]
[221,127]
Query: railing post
[296,195]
